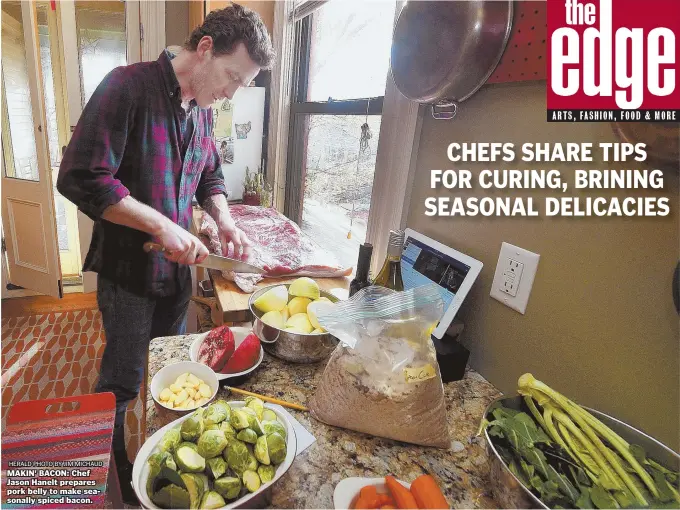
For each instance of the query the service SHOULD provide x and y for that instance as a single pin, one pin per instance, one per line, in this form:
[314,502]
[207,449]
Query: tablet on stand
[424,261]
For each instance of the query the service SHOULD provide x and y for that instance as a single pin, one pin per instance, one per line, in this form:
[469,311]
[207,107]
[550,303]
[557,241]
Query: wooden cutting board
[58,451]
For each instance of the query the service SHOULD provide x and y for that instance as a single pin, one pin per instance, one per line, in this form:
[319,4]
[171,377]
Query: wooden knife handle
[149,246]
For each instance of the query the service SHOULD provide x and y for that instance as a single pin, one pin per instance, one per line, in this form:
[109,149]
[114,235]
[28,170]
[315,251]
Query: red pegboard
[525,54]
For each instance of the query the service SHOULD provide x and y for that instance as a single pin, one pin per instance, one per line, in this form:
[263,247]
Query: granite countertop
[462,471]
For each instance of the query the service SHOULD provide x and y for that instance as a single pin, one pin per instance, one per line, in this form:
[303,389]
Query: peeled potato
[204,390]
[300,322]
[273,319]
[272,300]
[312,312]
[298,305]
[185,392]
[181,397]
[304,287]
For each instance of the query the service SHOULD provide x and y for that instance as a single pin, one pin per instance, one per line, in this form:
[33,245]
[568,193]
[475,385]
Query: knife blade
[214,261]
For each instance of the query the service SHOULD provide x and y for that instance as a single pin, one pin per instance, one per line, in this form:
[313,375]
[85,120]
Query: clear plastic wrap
[383,379]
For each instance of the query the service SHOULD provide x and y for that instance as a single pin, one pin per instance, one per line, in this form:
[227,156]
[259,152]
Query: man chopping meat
[142,149]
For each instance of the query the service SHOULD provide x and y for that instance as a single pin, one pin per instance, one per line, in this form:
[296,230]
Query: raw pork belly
[279,247]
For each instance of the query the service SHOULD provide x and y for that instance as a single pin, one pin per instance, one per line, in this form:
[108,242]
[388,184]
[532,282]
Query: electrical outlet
[514,277]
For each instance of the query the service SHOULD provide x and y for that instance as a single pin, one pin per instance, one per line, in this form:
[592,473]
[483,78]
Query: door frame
[133,29]
[42,189]
[136,18]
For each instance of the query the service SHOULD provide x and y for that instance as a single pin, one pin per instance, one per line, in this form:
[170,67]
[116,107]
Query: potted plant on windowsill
[255,190]
[251,188]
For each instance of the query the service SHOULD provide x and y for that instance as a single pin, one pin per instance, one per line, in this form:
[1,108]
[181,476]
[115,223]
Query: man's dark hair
[232,25]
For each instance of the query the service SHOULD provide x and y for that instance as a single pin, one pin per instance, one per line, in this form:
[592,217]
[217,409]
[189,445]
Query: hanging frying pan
[444,51]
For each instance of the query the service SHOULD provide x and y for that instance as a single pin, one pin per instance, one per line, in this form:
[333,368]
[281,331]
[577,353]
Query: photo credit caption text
[627,171]
[52,483]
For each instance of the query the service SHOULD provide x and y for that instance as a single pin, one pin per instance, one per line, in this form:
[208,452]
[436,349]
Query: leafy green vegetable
[570,459]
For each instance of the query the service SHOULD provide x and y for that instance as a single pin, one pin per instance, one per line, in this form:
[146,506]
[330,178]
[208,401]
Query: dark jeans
[130,322]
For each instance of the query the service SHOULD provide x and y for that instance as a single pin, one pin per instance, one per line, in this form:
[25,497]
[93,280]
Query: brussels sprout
[269,427]
[239,419]
[172,496]
[189,444]
[237,456]
[228,430]
[212,499]
[228,486]
[211,443]
[202,479]
[256,405]
[247,436]
[251,480]
[193,427]
[217,412]
[189,460]
[268,415]
[248,410]
[195,490]
[262,450]
[266,473]
[253,421]
[170,441]
[277,448]
[217,466]
[212,426]
[252,461]
[157,461]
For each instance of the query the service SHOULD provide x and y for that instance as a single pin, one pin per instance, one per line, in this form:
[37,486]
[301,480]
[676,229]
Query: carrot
[401,495]
[386,499]
[427,493]
[369,495]
[361,504]
[388,507]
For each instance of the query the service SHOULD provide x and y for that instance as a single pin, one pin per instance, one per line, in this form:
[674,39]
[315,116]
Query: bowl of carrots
[388,493]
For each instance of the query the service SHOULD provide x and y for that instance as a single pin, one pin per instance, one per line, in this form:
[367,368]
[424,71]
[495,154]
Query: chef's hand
[230,233]
[181,246]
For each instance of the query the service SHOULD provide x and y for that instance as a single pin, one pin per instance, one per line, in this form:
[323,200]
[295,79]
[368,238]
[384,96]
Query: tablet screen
[422,264]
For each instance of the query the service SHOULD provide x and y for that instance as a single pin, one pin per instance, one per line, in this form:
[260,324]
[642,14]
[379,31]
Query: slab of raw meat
[279,247]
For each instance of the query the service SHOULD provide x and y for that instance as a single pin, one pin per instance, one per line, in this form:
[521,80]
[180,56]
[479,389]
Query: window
[341,70]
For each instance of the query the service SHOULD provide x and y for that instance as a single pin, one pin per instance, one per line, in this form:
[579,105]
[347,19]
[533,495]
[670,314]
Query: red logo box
[621,57]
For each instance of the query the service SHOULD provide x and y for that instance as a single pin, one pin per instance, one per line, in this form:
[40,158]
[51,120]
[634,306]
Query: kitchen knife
[214,261]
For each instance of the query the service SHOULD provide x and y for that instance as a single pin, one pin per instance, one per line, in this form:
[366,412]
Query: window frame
[301,109]
[397,148]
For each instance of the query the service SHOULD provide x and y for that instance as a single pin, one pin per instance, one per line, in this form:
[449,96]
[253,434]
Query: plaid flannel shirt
[134,138]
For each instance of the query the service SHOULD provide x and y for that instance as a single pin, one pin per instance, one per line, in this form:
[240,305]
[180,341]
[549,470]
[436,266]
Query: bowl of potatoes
[183,387]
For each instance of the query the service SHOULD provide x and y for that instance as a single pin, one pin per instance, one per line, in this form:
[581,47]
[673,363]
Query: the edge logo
[588,56]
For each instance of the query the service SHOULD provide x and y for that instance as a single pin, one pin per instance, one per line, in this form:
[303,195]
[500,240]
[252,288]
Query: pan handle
[444,110]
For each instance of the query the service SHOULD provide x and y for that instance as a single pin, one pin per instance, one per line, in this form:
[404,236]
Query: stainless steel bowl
[510,492]
[443,52]
[293,347]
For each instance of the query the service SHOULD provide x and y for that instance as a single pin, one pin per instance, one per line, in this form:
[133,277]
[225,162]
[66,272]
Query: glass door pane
[51,76]
[102,43]
[18,135]
[338,182]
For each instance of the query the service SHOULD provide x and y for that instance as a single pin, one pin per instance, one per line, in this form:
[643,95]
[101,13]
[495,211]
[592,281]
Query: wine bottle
[363,265]
[390,274]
